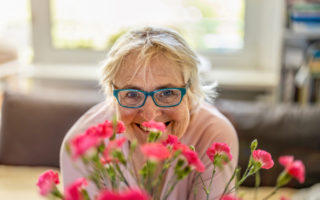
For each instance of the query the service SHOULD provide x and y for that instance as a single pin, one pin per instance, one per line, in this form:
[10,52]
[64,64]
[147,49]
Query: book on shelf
[307,80]
[304,16]
[314,65]
[288,86]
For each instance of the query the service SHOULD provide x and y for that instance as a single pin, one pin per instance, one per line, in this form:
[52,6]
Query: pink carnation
[103,130]
[106,157]
[131,194]
[82,143]
[171,140]
[117,143]
[176,145]
[293,167]
[155,126]
[73,191]
[112,145]
[181,147]
[47,182]
[219,149]
[120,127]
[286,160]
[155,151]
[230,197]
[193,160]
[263,157]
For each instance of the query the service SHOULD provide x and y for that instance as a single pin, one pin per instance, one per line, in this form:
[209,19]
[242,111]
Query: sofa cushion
[34,124]
[281,129]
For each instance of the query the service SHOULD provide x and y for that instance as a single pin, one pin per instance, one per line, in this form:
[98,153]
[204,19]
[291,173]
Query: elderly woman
[151,74]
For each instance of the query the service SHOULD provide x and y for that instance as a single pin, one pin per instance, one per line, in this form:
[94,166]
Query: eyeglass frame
[183,91]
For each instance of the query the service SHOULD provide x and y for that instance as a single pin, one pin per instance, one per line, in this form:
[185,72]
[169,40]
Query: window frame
[258,45]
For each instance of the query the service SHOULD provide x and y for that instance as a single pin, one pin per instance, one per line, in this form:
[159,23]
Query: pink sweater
[207,125]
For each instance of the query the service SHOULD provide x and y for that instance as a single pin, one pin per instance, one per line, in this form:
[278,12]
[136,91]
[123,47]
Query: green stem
[160,178]
[210,184]
[149,177]
[195,190]
[122,176]
[170,182]
[171,189]
[204,185]
[244,177]
[229,182]
[257,184]
[212,175]
[133,173]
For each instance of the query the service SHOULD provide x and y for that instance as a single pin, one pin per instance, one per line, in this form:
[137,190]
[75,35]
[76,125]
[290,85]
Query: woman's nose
[150,111]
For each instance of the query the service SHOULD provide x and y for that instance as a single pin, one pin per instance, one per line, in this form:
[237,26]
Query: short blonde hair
[148,42]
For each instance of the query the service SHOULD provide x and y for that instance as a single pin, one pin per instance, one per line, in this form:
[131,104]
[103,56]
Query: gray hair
[148,42]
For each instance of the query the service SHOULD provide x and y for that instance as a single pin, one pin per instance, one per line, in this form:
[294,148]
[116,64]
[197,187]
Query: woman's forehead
[159,70]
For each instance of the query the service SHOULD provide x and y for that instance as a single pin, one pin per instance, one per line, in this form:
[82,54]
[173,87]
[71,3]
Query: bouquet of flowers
[100,150]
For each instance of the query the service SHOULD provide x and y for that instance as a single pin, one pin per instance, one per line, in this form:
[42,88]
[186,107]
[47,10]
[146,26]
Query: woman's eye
[132,94]
[166,93]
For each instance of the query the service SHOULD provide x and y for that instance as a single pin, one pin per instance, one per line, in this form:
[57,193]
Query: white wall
[270,31]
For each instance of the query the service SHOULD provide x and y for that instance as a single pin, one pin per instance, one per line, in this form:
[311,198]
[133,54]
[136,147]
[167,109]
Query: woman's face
[160,73]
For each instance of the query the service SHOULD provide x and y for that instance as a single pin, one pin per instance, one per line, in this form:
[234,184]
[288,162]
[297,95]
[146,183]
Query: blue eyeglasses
[167,97]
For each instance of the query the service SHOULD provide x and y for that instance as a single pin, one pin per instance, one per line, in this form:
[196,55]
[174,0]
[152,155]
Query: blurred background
[254,49]
[239,41]
[264,54]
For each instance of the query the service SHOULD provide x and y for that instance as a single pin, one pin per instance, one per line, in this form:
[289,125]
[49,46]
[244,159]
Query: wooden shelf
[290,34]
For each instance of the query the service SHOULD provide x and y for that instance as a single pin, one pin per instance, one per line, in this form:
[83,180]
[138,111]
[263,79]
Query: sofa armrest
[34,124]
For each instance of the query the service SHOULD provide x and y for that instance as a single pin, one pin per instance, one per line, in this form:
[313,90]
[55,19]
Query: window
[216,25]
[15,27]
[230,33]
[82,30]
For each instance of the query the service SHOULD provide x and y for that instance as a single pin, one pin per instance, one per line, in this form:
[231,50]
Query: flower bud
[254,145]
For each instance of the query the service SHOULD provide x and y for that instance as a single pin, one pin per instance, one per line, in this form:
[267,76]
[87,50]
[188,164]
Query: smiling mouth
[147,130]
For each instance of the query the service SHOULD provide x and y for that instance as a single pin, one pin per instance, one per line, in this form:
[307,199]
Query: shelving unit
[300,83]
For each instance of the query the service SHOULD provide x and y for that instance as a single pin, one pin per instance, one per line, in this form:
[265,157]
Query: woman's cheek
[126,115]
